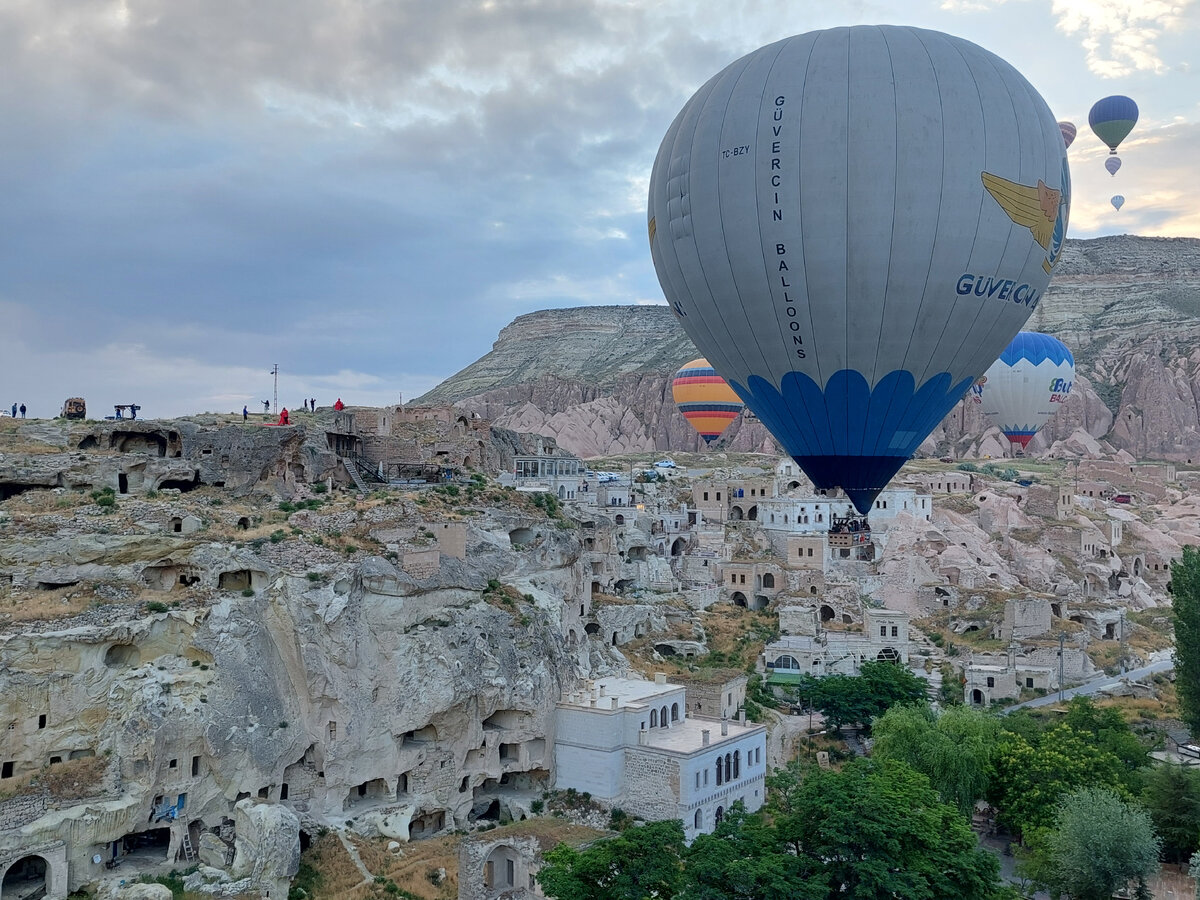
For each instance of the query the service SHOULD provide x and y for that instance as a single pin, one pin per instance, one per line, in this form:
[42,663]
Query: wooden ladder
[189,852]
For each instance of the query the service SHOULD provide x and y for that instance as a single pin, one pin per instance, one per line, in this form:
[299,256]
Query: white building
[632,744]
[884,637]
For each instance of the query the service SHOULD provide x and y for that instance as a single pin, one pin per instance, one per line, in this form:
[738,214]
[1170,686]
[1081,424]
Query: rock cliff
[598,378]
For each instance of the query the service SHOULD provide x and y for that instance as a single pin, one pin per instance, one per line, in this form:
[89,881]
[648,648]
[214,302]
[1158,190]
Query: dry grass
[40,606]
[338,874]
[410,870]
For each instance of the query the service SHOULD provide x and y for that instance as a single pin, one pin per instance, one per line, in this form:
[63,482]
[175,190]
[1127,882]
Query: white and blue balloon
[1026,386]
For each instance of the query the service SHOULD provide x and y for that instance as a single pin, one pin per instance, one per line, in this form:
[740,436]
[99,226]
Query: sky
[365,192]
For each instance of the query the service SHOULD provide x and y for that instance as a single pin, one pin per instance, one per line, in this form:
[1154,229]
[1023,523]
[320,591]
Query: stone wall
[651,785]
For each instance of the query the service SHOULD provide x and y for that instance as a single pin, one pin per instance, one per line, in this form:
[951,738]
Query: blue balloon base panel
[861,477]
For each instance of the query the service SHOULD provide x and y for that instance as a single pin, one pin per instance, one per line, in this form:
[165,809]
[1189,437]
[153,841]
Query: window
[718,495]
[743,581]
[895,631]
[173,764]
[706,777]
[6,771]
[699,822]
[706,495]
[1028,682]
[991,682]
[697,781]
[654,718]
[283,791]
[195,765]
[333,731]
[883,631]
[42,721]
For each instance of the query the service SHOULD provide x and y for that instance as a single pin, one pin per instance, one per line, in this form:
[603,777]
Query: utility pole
[1062,636]
[275,372]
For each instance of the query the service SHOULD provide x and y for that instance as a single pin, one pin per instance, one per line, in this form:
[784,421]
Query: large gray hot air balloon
[851,225]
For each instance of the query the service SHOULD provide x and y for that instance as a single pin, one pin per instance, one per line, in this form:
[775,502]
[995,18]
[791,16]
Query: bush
[320,487]
[248,592]
[106,500]
[155,607]
[537,807]
[278,536]
[315,576]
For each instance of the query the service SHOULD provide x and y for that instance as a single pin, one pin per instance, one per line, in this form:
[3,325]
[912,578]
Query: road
[1099,683]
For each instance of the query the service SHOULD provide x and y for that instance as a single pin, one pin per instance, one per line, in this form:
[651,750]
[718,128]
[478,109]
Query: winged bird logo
[1034,207]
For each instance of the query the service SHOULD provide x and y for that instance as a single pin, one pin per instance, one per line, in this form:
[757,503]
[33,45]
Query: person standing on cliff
[245,413]
[22,410]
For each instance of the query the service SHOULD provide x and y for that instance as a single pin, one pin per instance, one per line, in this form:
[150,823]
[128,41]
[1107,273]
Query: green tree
[1033,774]
[878,829]
[744,859]
[859,699]
[1172,798]
[954,749]
[640,862]
[1110,731]
[1185,609]
[1098,844]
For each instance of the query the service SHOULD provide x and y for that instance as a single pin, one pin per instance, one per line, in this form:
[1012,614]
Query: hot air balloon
[1027,385]
[1112,164]
[1112,119]
[1118,201]
[1068,133]
[705,400]
[850,224]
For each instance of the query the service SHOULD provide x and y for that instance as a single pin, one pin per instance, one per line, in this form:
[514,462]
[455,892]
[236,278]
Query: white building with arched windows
[632,744]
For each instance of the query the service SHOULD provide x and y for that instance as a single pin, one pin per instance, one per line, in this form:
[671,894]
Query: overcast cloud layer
[366,191]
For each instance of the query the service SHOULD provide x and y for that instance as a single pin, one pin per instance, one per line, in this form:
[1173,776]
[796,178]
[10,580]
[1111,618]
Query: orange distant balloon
[706,401]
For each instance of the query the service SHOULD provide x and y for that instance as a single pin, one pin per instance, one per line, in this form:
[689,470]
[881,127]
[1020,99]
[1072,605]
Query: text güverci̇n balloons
[1026,386]
[1112,118]
[706,401]
[1117,201]
[1112,164]
[851,224]
[1068,132]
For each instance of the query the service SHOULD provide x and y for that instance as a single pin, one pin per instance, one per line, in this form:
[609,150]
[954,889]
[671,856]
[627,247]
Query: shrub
[106,500]
[537,807]
[155,607]
[248,592]
[315,576]
[278,535]
[320,487]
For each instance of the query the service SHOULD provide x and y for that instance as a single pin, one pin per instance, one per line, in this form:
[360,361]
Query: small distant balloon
[1118,201]
[1112,164]
[1112,119]
[1068,132]
[706,401]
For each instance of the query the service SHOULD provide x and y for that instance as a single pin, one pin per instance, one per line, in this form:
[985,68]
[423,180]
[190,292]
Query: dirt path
[355,858]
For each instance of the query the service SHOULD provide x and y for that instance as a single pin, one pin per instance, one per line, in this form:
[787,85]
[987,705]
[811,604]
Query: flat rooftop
[628,691]
[685,736]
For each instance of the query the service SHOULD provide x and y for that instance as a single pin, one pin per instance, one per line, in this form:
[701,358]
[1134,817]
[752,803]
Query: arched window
[786,662]
[719,816]
[737,763]
[699,819]
[674,712]
[720,772]
[654,718]
[662,716]
[768,580]
[728,766]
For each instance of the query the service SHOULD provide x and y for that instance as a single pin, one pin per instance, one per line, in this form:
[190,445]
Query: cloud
[1119,37]
[1157,180]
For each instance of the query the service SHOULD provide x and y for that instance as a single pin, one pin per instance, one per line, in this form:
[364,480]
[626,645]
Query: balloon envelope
[1027,385]
[706,401]
[1112,119]
[1118,201]
[1068,132]
[850,224]
[1112,164]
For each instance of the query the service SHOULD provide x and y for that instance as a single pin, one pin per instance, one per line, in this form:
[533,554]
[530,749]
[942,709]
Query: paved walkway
[1098,683]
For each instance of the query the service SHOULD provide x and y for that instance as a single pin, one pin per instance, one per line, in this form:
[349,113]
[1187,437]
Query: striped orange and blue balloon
[706,401]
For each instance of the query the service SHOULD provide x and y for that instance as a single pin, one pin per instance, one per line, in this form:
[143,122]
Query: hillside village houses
[634,744]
